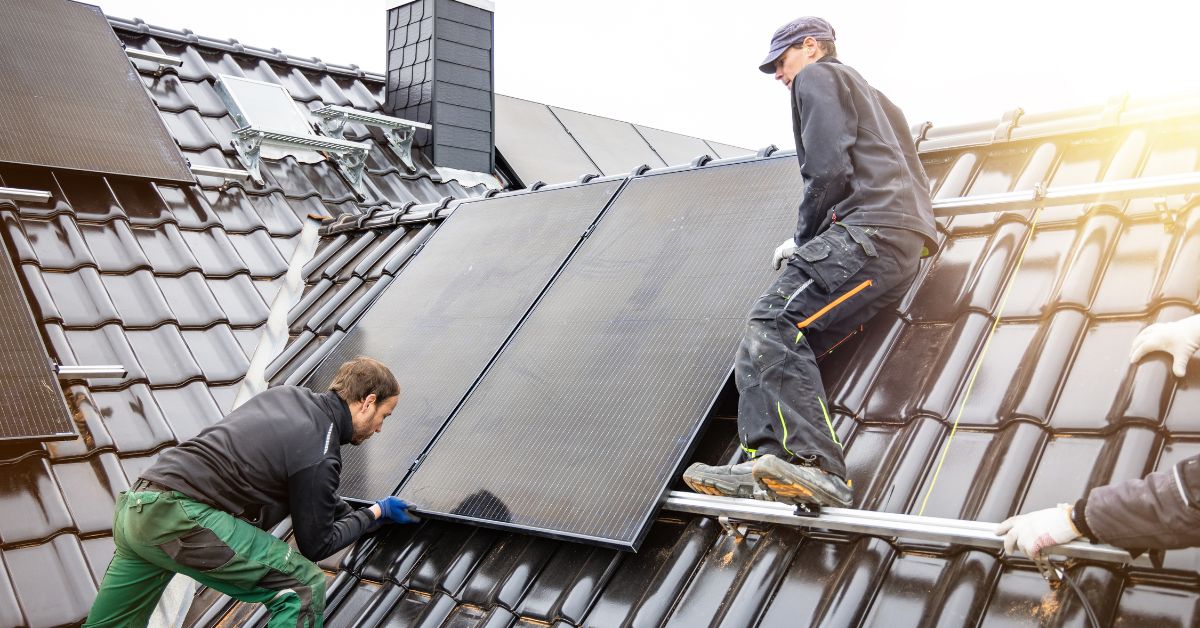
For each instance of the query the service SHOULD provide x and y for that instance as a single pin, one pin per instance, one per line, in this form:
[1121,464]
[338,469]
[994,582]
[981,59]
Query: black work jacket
[857,159]
[278,453]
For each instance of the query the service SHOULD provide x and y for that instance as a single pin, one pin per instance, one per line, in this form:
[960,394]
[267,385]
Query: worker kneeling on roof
[204,507]
[864,219]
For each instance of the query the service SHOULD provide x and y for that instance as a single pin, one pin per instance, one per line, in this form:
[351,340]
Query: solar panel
[449,311]
[580,423]
[30,398]
[71,99]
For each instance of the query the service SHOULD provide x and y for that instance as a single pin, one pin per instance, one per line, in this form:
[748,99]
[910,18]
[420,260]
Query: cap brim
[768,64]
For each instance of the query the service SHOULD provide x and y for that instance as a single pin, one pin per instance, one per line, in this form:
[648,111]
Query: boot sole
[772,474]
[712,486]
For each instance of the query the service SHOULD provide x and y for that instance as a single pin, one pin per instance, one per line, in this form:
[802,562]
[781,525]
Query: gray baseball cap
[794,32]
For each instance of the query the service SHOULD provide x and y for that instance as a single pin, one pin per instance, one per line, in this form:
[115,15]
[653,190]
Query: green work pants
[159,534]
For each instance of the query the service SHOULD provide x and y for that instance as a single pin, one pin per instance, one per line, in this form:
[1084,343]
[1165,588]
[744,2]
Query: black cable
[1087,607]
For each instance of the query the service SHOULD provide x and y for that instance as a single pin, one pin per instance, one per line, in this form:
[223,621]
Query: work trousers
[782,408]
[159,534]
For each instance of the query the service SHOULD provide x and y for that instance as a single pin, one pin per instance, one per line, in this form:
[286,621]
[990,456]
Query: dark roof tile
[138,299]
[80,298]
[114,247]
[90,197]
[133,466]
[42,305]
[63,589]
[243,305]
[204,97]
[33,178]
[188,410]
[131,416]
[168,92]
[275,213]
[215,252]
[31,505]
[90,488]
[191,300]
[1091,389]
[57,242]
[218,353]
[144,205]
[166,249]
[164,355]
[190,130]
[290,176]
[99,552]
[191,210]
[106,345]
[258,253]
[92,434]
[10,609]
[228,207]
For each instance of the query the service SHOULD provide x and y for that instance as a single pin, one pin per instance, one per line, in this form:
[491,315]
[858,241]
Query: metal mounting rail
[399,132]
[351,156]
[87,372]
[970,533]
[162,60]
[19,194]
[1100,192]
[229,174]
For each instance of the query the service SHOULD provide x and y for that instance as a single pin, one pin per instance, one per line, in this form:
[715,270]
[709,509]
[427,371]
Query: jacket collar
[829,59]
[340,415]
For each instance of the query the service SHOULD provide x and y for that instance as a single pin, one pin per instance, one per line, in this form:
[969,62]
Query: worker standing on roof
[204,507]
[864,219]
[1159,511]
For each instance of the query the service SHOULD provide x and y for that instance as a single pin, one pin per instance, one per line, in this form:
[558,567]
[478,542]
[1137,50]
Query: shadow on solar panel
[579,425]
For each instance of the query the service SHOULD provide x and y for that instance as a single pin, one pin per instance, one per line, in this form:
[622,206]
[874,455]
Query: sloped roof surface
[1056,409]
[174,282]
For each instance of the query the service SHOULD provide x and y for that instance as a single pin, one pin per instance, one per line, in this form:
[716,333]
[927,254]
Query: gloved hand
[783,253]
[1180,338]
[1035,531]
[395,510]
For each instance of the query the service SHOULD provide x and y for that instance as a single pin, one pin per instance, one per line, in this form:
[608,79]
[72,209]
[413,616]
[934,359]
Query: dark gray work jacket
[1160,511]
[857,157]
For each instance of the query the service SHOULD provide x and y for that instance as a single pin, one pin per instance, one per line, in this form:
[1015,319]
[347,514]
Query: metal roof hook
[732,528]
[1167,215]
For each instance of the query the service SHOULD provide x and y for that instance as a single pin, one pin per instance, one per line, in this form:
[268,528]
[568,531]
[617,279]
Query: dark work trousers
[782,408]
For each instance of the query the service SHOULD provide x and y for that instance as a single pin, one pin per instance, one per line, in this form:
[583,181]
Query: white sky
[690,65]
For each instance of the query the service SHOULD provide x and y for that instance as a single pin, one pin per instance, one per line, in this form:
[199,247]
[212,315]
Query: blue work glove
[395,510]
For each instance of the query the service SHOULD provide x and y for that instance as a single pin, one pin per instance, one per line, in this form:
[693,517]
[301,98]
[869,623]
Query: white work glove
[783,253]
[1180,339]
[1035,531]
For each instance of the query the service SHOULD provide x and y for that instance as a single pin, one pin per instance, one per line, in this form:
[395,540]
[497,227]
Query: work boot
[800,484]
[725,480]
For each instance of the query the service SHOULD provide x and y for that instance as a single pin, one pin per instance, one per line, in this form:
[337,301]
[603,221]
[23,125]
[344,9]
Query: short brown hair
[363,376]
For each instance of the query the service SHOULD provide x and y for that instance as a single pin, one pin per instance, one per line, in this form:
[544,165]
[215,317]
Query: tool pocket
[199,549]
[836,255]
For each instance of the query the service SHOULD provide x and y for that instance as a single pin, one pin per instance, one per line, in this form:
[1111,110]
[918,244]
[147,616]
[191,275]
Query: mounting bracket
[398,131]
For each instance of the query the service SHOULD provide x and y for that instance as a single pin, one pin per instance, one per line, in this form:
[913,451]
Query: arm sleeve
[323,522]
[1160,511]
[828,129]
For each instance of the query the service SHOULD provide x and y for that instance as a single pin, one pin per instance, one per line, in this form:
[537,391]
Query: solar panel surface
[576,429]
[31,401]
[71,99]
[448,313]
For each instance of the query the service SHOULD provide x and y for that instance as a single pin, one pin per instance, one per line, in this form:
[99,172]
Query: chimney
[439,71]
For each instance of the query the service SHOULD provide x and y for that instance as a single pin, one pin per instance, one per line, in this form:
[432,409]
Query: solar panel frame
[431,274]
[72,99]
[431,483]
[31,398]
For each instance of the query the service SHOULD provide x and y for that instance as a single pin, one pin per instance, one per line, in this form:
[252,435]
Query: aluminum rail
[1123,189]
[92,371]
[959,532]
[160,59]
[18,194]
[224,173]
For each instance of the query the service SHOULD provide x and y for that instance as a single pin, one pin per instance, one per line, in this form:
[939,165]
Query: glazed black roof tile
[175,282]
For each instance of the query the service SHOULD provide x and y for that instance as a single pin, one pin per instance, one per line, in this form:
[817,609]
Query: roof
[1056,409]
[176,282]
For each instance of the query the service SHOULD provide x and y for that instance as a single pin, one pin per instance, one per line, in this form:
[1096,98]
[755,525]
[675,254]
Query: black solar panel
[31,401]
[448,313]
[71,99]
[579,424]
